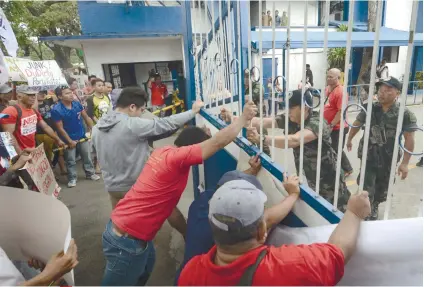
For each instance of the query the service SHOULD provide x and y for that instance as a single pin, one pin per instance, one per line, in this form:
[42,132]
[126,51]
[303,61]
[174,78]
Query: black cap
[390,81]
[296,98]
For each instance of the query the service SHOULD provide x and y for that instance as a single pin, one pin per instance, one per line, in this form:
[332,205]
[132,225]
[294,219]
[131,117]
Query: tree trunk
[367,52]
[62,56]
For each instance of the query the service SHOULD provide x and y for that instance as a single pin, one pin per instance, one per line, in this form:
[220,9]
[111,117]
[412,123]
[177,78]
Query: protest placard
[7,150]
[15,74]
[42,75]
[41,172]
[33,226]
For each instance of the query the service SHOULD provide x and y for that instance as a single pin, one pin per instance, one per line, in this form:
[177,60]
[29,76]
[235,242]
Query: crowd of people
[227,227]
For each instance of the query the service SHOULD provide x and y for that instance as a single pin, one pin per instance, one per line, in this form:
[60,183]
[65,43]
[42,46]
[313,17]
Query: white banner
[33,226]
[15,75]
[41,172]
[42,75]
[7,35]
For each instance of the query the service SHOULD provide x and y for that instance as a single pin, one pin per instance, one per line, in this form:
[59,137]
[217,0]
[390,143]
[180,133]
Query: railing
[176,102]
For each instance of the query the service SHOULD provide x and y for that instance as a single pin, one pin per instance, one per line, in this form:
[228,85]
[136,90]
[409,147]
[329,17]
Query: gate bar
[302,112]
[321,105]
[261,75]
[402,106]
[344,99]
[370,94]
[286,94]
[272,84]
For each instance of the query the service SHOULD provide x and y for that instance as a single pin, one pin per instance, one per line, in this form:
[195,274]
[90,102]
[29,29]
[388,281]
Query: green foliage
[336,56]
[33,19]
[419,77]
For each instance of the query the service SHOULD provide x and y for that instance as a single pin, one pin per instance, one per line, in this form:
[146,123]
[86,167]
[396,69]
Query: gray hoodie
[121,144]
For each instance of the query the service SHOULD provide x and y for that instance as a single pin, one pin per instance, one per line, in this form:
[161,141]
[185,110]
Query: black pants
[335,144]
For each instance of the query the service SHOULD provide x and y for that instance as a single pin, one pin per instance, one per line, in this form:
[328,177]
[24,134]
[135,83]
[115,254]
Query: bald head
[333,77]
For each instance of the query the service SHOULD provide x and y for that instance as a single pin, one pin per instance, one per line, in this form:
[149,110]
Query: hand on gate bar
[226,115]
[197,105]
[359,204]
[291,184]
[253,135]
[249,111]
[255,163]
[72,144]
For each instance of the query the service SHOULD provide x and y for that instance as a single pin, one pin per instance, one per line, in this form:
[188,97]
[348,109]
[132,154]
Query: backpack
[18,118]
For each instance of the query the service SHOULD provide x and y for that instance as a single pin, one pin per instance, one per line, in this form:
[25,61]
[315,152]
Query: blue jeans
[70,154]
[127,262]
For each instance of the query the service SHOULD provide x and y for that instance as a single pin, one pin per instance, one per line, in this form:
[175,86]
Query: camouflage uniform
[328,159]
[256,95]
[380,150]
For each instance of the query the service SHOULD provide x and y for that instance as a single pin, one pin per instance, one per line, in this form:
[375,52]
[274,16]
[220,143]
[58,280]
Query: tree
[33,19]
[364,73]
[336,56]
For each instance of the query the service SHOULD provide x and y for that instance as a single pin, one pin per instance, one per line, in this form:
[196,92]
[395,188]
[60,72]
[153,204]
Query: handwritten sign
[41,173]
[15,74]
[42,75]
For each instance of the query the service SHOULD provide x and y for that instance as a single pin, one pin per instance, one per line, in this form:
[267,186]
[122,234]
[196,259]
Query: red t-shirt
[288,265]
[334,104]
[25,130]
[158,94]
[157,191]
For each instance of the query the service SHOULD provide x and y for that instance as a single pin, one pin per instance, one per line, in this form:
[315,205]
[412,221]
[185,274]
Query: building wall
[98,52]
[100,18]
[398,16]
[314,57]
[297,11]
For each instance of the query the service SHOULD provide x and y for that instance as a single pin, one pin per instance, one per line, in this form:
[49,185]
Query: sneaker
[72,183]
[94,177]
[420,163]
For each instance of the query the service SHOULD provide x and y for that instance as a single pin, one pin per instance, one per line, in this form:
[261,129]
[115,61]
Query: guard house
[123,41]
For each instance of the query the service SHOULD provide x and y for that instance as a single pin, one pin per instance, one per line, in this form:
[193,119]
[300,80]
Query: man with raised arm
[121,139]
[384,118]
[310,133]
[127,240]
[237,217]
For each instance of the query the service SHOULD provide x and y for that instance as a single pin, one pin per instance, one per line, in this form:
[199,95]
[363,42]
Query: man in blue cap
[199,238]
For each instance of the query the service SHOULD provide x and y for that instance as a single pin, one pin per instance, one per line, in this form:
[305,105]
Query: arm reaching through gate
[228,134]
[345,235]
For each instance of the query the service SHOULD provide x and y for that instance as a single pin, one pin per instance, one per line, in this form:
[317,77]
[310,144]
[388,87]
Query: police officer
[311,132]
[384,119]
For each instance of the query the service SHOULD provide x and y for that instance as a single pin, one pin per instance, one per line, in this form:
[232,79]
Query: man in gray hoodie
[121,140]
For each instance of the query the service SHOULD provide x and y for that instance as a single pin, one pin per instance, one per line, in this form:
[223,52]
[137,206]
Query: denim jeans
[70,154]
[128,262]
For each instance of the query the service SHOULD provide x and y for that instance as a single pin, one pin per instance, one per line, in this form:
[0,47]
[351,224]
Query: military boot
[374,212]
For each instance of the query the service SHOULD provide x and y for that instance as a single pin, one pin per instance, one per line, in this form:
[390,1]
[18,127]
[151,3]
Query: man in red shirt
[127,240]
[159,93]
[236,215]
[23,121]
[332,113]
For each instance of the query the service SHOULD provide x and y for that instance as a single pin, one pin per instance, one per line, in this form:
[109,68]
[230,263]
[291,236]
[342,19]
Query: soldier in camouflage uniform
[311,132]
[384,120]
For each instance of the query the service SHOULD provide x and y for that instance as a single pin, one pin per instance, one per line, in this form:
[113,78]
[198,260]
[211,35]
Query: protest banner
[15,74]
[33,226]
[42,75]
[41,172]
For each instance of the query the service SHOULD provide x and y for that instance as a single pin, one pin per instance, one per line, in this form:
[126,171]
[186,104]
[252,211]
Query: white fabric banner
[33,226]
[7,35]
